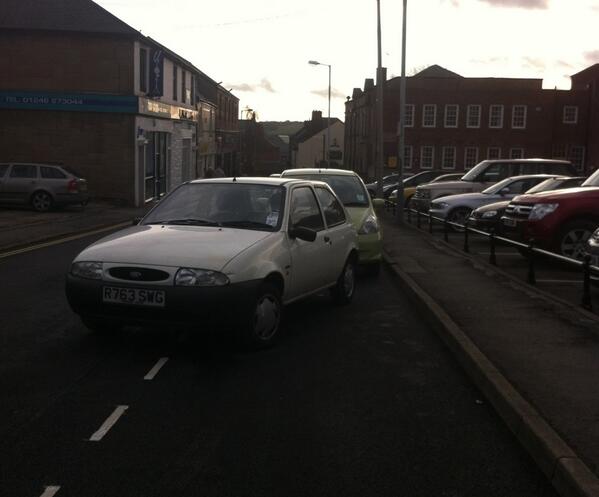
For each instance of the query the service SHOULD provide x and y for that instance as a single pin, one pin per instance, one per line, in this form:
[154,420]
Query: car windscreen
[235,205]
[592,180]
[348,188]
[475,171]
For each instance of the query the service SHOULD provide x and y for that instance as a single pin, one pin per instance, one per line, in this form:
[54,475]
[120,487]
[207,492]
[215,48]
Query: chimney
[316,115]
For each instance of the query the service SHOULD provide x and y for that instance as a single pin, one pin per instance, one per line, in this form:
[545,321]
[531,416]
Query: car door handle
[328,240]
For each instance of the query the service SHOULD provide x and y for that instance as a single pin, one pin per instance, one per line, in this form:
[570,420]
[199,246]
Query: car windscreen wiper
[248,224]
[189,221]
[355,204]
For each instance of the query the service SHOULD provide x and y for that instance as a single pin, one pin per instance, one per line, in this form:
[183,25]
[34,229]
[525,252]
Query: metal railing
[529,249]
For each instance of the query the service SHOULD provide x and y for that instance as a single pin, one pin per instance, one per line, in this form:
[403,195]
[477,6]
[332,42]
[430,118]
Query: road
[361,400]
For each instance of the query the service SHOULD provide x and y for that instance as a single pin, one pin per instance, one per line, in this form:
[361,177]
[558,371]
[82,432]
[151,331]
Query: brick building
[453,122]
[307,145]
[82,88]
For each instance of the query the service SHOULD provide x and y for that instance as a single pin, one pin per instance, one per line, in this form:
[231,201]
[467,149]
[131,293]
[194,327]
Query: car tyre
[573,238]
[458,215]
[41,201]
[344,289]
[261,329]
[99,326]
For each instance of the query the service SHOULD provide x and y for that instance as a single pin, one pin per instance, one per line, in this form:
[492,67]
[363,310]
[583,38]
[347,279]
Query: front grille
[424,194]
[520,211]
[138,274]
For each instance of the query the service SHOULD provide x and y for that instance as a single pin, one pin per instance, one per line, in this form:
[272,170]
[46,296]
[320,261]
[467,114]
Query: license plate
[509,222]
[133,296]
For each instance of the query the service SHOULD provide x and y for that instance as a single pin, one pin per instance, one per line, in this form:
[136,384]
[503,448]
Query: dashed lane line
[154,371]
[109,423]
[50,491]
[38,246]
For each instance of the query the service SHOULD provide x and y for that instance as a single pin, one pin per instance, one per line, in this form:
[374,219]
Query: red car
[561,221]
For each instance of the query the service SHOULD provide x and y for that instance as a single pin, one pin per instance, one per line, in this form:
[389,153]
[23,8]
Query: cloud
[454,3]
[534,63]
[591,57]
[563,63]
[490,60]
[524,4]
[325,93]
[264,84]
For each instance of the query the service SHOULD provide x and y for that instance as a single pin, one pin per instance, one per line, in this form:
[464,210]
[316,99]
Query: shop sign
[156,73]
[166,111]
[68,102]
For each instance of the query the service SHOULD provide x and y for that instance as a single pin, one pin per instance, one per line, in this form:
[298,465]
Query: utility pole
[401,153]
[379,108]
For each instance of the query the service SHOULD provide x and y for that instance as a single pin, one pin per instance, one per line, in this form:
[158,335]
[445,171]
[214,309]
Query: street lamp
[316,63]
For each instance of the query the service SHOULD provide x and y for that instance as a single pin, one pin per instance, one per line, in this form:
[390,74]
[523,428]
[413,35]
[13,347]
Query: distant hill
[281,127]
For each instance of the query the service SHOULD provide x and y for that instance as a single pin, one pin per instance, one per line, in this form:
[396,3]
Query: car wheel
[459,215]
[99,326]
[573,238]
[41,201]
[262,327]
[343,291]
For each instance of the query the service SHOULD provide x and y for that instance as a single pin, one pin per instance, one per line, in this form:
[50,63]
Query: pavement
[533,356]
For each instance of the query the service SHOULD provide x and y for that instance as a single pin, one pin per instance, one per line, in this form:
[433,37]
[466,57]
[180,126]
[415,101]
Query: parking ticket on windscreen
[272,219]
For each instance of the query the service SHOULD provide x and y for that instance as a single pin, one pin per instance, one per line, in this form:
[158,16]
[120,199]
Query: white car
[226,251]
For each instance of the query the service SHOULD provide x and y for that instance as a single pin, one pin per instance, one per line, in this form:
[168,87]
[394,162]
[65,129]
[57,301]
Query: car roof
[533,176]
[515,161]
[275,181]
[315,170]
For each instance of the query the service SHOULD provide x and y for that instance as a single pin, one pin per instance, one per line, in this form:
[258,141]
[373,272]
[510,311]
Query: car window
[304,209]
[522,185]
[333,211]
[23,171]
[496,172]
[3,168]
[348,188]
[558,169]
[51,172]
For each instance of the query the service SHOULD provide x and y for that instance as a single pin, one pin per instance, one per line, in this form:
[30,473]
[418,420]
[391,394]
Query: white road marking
[154,371]
[50,491]
[109,423]
[62,240]
[578,282]
[503,254]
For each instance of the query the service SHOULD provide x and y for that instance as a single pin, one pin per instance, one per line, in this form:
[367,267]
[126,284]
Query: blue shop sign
[69,102]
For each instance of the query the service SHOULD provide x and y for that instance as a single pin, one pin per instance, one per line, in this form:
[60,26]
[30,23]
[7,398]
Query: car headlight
[439,205]
[87,269]
[187,276]
[369,226]
[488,214]
[539,211]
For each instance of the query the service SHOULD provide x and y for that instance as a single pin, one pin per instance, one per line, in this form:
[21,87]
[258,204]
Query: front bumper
[370,248]
[420,204]
[441,213]
[183,305]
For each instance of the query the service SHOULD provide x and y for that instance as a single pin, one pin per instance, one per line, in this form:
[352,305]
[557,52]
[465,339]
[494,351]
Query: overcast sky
[261,48]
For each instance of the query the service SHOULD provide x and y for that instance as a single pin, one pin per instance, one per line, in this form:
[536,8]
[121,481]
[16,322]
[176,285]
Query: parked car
[388,180]
[561,221]
[488,217]
[593,248]
[42,186]
[409,191]
[227,251]
[351,190]
[487,173]
[457,208]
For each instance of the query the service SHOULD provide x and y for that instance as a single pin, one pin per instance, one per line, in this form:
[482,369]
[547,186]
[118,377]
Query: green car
[351,190]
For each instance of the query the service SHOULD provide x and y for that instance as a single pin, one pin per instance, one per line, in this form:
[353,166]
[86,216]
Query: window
[429,115]
[304,210]
[407,157]
[451,116]
[52,173]
[409,115]
[496,116]
[473,117]
[559,152]
[143,70]
[577,157]
[193,90]
[470,157]
[3,168]
[496,172]
[333,212]
[175,71]
[427,157]
[183,96]
[519,116]
[570,114]
[516,153]
[23,171]
[448,160]
[494,153]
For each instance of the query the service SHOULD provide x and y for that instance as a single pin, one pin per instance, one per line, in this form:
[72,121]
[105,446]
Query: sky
[261,48]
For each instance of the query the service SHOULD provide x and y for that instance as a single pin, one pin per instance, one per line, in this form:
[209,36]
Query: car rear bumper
[71,198]
[228,304]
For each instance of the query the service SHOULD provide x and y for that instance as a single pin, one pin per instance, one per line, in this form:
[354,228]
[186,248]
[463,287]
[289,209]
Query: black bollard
[466,244]
[446,230]
[531,263]
[492,258]
[586,283]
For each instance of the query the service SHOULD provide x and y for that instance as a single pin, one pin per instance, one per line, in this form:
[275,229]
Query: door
[21,183]
[156,165]
[309,260]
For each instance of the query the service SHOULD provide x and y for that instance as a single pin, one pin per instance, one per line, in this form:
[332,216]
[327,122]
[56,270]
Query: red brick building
[453,122]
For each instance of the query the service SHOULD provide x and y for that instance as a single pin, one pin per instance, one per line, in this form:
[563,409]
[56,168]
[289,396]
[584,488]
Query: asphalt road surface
[354,401]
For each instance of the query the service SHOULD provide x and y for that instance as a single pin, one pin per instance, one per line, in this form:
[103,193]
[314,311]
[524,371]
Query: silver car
[41,185]
[457,208]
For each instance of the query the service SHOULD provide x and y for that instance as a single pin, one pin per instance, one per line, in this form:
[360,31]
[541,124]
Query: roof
[62,15]
[312,128]
[436,71]
[242,180]
[315,170]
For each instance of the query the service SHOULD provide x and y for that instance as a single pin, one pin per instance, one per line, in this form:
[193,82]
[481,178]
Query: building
[82,88]
[453,122]
[259,156]
[307,146]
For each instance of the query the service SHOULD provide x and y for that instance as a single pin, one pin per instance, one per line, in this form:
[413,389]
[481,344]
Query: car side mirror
[303,233]
[378,203]
[504,191]
[135,221]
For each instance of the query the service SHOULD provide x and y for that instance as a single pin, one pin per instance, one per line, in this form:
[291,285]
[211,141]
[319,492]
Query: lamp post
[328,145]
[379,155]
[401,153]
